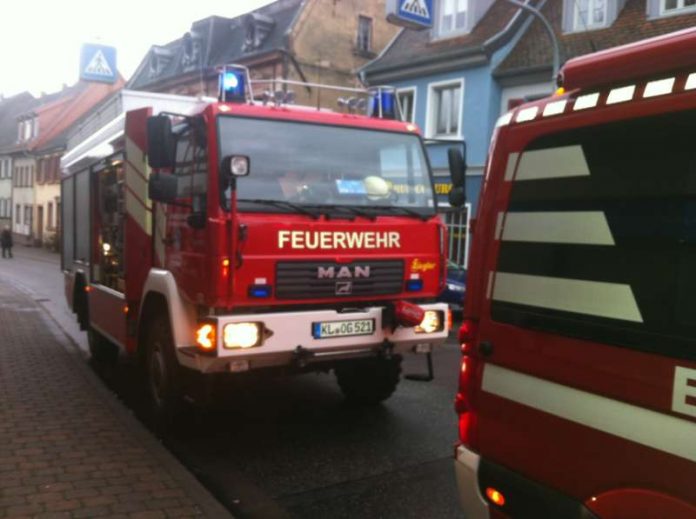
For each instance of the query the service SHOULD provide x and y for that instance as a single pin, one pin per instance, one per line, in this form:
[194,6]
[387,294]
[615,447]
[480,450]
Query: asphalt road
[293,447]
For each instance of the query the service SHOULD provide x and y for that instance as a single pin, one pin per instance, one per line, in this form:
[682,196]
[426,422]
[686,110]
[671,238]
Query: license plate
[330,329]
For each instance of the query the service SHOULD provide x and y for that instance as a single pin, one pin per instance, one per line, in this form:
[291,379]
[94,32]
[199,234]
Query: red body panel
[614,476]
[106,312]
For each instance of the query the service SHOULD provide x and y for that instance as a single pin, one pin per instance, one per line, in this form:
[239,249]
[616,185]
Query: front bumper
[466,469]
[291,340]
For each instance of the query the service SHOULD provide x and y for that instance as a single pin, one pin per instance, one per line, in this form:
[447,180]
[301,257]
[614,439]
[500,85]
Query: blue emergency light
[383,103]
[233,84]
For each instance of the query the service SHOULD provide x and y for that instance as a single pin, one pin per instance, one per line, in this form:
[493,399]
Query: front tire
[369,381]
[163,373]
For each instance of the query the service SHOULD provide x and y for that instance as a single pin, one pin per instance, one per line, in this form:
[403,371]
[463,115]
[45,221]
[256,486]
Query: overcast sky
[40,39]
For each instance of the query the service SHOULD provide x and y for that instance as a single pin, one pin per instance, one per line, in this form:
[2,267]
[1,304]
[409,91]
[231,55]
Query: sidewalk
[68,448]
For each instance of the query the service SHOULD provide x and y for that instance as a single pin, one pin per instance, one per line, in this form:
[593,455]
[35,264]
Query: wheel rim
[158,375]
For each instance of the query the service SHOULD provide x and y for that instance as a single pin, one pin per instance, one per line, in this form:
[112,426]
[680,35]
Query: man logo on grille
[344,288]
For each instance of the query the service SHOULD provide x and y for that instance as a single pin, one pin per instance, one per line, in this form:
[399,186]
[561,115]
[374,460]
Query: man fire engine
[238,236]
[577,393]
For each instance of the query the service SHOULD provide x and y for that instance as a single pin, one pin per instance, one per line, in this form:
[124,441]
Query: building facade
[321,41]
[10,109]
[445,85]
[582,27]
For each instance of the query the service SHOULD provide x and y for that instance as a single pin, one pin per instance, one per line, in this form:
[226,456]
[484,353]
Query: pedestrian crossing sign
[98,63]
[413,14]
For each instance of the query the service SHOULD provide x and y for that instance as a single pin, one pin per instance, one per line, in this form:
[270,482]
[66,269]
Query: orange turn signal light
[205,336]
[495,497]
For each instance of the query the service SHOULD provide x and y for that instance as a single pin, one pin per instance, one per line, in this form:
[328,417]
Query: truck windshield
[310,165]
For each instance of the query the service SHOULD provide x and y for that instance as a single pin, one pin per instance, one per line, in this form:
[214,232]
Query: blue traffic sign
[98,63]
[413,14]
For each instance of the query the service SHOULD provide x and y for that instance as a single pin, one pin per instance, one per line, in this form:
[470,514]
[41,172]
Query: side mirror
[457,166]
[457,197]
[161,145]
[163,188]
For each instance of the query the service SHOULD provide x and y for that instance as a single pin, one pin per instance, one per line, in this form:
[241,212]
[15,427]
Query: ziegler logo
[343,272]
[418,266]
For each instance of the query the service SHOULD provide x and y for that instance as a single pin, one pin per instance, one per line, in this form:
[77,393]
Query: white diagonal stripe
[586,228]
[510,166]
[656,430]
[561,162]
[610,300]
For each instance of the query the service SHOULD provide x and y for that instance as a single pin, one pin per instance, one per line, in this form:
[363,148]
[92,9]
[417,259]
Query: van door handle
[486,348]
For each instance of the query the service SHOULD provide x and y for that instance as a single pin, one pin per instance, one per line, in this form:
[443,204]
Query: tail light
[464,402]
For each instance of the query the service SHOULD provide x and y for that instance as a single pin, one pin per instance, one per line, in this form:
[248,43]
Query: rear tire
[164,375]
[369,381]
[101,349]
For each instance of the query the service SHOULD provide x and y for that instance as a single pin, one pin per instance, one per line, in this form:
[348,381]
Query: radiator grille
[325,279]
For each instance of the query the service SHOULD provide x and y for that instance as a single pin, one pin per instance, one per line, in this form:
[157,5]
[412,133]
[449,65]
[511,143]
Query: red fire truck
[243,235]
[577,391]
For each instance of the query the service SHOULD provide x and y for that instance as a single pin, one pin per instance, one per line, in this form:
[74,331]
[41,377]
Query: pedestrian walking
[6,242]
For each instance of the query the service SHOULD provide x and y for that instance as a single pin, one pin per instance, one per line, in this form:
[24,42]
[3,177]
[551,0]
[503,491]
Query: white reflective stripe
[609,300]
[586,101]
[621,95]
[499,225]
[562,162]
[683,390]
[690,82]
[659,87]
[510,166]
[504,120]
[527,114]
[656,430]
[555,108]
[587,228]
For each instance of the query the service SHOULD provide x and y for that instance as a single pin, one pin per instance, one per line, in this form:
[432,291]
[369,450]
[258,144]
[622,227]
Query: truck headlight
[433,321]
[242,335]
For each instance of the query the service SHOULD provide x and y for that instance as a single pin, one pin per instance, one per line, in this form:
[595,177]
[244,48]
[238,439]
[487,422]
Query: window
[407,104]
[364,43]
[18,214]
[49,216]
[27,216]
[589,14]
[445,109]
[452,17]
[607,254]
[676,5]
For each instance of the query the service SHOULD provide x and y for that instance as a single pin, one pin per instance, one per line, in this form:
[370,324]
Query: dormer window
[452,17]
[674,6]
[192,51]
[257,29]
[589,14]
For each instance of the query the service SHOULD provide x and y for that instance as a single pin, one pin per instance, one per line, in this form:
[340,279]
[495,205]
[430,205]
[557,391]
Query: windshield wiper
[404,210]
[348,208]
[282,204]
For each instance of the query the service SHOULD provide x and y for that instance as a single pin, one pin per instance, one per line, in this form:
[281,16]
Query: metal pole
[549,29]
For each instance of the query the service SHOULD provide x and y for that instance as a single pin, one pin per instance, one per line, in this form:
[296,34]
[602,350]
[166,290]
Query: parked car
[455,288]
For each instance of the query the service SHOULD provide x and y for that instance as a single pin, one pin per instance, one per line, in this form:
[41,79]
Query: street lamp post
[549,29]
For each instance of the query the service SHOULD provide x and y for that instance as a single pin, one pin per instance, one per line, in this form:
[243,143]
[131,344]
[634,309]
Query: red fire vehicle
[577,391]
[239,235]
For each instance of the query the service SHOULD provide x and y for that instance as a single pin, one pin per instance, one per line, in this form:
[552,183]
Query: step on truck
[244,234]
[577,391]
